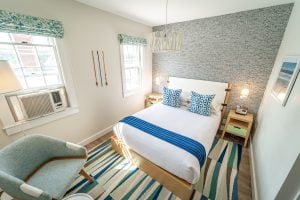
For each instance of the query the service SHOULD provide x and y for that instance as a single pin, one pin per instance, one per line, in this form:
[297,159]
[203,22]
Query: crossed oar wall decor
[99,67]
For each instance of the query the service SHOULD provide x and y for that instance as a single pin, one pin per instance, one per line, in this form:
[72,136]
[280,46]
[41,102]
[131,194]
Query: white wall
[276,143]
[291,186]
[87,28]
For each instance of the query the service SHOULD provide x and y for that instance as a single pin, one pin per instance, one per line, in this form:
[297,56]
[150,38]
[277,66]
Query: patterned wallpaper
[238,48]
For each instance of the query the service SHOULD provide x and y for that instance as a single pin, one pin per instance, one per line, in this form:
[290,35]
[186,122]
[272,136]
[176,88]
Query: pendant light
[166,40]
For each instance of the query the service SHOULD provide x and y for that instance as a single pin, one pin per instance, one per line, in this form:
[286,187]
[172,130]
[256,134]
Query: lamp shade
[8,79]
[245,92]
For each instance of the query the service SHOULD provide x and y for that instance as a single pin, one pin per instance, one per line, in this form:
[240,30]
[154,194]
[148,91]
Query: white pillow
[216,105]
[185,98]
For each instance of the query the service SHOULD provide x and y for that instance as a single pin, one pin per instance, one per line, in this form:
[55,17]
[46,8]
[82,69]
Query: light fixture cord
[166,17]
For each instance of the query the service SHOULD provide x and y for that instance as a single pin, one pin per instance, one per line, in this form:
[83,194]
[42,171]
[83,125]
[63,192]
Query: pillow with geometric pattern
[200,103]
[171,97]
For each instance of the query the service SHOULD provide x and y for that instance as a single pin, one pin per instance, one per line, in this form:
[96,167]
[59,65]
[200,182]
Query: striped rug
[117,178]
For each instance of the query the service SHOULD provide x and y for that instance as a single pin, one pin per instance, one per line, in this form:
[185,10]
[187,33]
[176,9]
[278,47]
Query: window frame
[57,59]
[10,126]
[126,92]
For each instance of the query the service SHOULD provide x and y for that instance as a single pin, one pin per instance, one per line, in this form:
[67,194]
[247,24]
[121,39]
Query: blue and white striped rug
[117,178]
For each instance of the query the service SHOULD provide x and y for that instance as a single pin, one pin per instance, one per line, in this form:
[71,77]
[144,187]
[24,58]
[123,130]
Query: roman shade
[12,22]
[126,39]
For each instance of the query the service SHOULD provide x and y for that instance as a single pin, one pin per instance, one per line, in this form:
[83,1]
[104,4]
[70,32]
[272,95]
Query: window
[46,95]
[132,68]
[33,58]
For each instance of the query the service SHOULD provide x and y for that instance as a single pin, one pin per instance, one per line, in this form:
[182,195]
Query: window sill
[19,127]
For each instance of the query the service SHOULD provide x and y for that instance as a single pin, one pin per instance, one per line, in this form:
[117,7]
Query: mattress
[169,157]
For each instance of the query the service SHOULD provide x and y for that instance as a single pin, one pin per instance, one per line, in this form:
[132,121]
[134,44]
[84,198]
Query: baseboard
[96,136]
[252,172]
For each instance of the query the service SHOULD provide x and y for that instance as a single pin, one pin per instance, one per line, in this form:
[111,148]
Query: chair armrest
[59,148]
[78,149]
[18,189]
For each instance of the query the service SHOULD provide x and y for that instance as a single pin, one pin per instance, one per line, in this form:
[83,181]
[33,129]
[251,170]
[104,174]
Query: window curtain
[16,23]
[126,39]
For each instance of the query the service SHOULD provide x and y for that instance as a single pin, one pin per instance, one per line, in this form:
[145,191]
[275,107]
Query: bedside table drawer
[236,131]
[149,103]
[238,125]
[152,99]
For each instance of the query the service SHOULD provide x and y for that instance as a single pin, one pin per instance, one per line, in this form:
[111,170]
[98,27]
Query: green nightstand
[238,125]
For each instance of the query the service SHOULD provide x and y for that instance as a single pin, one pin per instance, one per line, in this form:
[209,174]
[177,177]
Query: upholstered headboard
[200,86]
[221,90]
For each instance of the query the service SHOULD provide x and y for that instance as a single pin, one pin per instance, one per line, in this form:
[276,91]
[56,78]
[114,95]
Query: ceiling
[152,12]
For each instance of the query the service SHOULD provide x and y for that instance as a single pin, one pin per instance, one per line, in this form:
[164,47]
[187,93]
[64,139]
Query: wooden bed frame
[176,185]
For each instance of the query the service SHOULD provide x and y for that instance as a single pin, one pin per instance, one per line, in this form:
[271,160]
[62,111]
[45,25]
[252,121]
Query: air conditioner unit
[37,104]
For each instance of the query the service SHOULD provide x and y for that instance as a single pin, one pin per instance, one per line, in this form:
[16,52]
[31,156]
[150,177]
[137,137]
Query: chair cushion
[56,176]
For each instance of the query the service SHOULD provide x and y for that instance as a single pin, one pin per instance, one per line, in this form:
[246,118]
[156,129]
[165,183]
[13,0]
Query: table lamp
[8,79]
[243,95]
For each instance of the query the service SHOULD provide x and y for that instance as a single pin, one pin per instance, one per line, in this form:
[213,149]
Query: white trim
[127,93]
[30,190]
[6,117]
[96,136]
[18,127]
[66,74]
[292,81]
[51,44]
[26,44]
[252,172]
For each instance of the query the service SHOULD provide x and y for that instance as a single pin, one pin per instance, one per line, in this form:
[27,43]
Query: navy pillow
[200,104]
[171,97]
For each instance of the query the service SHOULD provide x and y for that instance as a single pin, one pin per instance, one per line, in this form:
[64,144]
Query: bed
[175,168]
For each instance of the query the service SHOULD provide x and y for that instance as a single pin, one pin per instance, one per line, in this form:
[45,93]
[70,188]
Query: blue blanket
[185,143]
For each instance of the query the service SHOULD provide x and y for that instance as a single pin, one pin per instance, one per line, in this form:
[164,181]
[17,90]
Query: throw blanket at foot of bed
[193,147]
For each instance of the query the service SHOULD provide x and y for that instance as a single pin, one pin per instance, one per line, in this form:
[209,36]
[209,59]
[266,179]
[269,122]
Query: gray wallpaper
[238,48]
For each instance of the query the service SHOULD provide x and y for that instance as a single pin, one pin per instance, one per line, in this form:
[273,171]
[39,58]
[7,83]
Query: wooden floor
[99,141]
[244,181]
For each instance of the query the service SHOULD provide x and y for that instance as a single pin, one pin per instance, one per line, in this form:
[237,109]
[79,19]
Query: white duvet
[169,157]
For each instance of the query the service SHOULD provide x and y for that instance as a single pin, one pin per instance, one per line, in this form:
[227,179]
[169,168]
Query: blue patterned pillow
[200,104]
[171,97]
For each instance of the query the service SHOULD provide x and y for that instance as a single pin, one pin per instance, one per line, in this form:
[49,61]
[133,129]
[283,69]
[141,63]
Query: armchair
[40,168]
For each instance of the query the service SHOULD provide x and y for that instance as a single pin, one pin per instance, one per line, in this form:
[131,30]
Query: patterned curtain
[16,23]
[126,39]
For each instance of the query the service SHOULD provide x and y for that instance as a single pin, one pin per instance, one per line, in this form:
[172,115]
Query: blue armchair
[40,168]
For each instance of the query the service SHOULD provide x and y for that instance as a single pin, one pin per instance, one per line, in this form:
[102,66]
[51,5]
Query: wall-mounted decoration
[99,68]
[105,75]
[94,68]
[286,79]
[99,65]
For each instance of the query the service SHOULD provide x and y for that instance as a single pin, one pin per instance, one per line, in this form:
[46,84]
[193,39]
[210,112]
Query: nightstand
[239,125]
[152,99]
